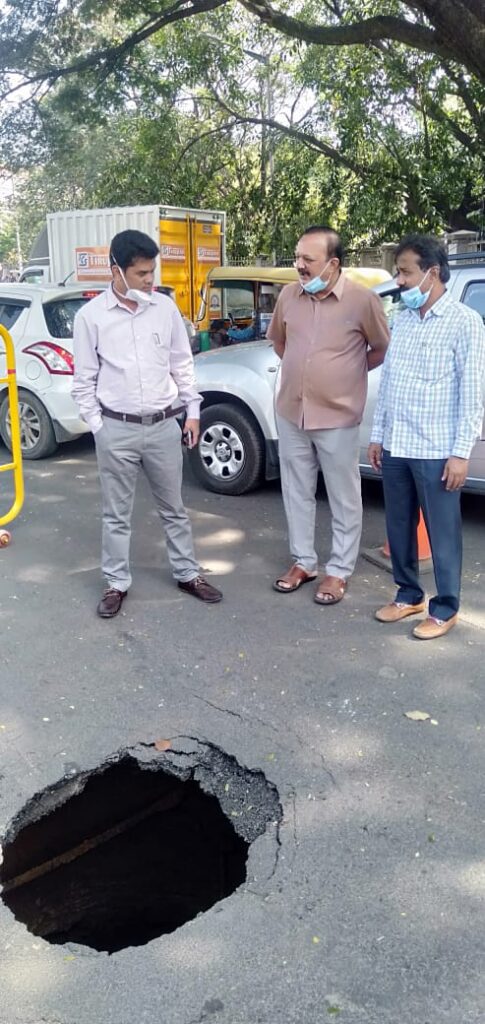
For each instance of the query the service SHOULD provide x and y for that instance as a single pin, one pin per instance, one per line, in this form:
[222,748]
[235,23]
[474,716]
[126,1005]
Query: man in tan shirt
[328,331]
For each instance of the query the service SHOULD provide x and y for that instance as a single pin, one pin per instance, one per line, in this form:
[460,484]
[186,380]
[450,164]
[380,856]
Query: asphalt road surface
[366,902]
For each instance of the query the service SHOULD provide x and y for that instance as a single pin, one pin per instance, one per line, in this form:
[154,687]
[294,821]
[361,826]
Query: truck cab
[35,275]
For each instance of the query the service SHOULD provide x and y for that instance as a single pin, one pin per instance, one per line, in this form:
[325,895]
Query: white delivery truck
[74,247]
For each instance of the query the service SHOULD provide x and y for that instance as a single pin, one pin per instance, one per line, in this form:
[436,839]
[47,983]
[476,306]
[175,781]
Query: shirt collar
[437,309]
[111,298]
[337,289]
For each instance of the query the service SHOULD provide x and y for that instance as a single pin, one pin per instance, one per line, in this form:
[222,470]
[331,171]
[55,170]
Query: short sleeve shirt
[324,363]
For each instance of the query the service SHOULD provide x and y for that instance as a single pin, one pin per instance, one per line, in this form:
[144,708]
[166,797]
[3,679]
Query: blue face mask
[317,284]
[414,298]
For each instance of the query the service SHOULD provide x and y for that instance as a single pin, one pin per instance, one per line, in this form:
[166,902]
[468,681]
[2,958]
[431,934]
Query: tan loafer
[398,610]
[432,628]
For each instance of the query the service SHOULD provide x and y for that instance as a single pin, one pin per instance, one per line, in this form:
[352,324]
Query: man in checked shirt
[428,416]
[134,374]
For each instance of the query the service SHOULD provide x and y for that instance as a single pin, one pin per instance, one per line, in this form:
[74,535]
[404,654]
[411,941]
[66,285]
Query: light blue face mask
[317,284]
[414,298]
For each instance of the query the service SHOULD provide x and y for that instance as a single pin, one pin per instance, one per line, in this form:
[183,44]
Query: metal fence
[353,258]
[262,260]
[371,256]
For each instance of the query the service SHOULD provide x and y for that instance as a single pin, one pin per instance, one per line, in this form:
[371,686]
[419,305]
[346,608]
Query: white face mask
[135,294]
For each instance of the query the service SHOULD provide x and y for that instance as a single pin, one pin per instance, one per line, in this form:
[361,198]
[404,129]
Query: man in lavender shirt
[134,375]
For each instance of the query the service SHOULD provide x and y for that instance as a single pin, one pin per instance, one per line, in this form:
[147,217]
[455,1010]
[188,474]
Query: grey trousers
[336,452]
[121,449]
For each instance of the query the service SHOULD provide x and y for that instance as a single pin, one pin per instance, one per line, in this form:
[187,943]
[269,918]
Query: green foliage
[375,139]
[7,239]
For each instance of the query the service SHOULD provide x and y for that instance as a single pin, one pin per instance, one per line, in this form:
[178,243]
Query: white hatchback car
[40,320]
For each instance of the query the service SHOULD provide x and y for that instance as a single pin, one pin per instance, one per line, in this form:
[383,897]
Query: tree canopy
[367,114]
[44,41]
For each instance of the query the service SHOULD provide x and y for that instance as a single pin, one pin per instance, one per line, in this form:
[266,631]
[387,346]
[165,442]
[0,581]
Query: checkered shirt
[430,401]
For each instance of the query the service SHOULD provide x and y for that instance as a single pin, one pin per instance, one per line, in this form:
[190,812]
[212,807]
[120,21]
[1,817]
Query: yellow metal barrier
[16,464]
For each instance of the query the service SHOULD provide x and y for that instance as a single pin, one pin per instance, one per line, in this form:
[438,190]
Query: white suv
[40,320]
[238,446]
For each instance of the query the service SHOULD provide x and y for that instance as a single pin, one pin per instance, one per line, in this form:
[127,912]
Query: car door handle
[272,369]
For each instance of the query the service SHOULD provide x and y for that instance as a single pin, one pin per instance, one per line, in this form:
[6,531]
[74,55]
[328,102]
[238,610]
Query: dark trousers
[409,484]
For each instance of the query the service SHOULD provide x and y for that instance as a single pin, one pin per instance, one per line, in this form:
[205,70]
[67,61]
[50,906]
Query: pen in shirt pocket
[156,337]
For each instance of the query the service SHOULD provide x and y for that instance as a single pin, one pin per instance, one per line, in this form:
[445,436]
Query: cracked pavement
[372,911]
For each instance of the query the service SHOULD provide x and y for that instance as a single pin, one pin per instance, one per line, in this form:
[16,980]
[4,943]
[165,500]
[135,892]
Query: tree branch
[309,140]
[179,11]
[294,105]
[475,7]
[364,32]
[466,98]
[203,135]
[434,108]
[438,113]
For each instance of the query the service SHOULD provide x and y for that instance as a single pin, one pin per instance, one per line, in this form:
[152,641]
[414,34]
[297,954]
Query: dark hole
[134,855]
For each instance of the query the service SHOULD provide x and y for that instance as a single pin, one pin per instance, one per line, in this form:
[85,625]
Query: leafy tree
[44,43]
[452,30]
[215,110]
[7,239]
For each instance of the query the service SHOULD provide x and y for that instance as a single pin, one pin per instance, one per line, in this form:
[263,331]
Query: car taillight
[56,358]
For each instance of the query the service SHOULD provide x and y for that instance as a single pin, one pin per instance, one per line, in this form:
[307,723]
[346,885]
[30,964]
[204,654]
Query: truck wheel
[229,458]
[37,437]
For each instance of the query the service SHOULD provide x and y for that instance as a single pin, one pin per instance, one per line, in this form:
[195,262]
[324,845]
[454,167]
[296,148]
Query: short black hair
[430,250]
[334,241]
[128,246]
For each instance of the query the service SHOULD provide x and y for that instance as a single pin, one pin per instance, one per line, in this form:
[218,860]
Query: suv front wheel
[37,437]
[229,458]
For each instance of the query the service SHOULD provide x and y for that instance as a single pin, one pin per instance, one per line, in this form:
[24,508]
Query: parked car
[40,320]
[238,446]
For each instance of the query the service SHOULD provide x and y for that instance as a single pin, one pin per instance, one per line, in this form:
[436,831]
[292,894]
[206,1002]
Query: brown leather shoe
[199,587]
[398,610]
[432,628]
[293,579]
[110,603]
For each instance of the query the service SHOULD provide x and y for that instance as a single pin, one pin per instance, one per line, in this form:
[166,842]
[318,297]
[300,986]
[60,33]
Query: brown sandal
[295,577]
[330,590]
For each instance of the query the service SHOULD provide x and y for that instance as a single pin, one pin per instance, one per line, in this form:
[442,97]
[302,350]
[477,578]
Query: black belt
[148,421]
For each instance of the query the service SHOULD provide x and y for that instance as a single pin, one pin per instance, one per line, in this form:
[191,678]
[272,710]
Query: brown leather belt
[147,421]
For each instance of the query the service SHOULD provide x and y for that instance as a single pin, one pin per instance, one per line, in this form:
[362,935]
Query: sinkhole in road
[135,848]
